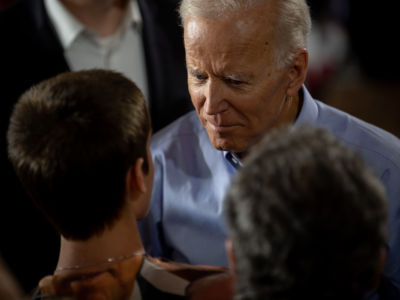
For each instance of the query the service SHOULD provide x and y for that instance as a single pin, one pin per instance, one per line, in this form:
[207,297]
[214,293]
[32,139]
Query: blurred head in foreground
[306,219]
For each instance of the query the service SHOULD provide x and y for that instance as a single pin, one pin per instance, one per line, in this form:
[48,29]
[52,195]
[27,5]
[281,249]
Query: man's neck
[104,17]
[122,239]
[290,111]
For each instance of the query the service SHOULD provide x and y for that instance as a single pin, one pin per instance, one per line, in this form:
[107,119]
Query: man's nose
[215,101]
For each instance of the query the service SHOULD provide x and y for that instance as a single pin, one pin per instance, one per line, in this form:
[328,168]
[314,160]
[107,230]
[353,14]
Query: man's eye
[197,75]
[200,77]
[234,82]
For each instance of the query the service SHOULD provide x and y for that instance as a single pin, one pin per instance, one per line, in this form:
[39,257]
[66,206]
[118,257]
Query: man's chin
[225,144]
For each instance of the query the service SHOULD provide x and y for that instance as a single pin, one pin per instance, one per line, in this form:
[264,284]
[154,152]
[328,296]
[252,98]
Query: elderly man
[246,63]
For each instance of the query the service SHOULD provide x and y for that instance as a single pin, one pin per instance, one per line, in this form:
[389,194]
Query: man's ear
[298,71]
[230,253]
[136,176]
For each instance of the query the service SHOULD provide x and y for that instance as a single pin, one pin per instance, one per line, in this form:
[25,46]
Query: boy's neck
[122,240]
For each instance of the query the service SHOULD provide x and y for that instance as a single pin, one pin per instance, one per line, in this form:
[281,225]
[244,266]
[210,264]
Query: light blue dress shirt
[185,221]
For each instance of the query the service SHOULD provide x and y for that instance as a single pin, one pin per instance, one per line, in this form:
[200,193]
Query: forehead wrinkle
[222,64]
[222,67]
[225,53]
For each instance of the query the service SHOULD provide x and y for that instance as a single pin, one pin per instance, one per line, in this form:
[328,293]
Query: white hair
[292,29]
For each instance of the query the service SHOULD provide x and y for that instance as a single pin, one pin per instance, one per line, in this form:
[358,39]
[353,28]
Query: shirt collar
[309,109]
[68,27]
[136,17]
[233,159]
[65,24]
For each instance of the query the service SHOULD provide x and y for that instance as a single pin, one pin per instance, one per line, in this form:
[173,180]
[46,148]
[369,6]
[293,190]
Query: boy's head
[73,139]
[306,218]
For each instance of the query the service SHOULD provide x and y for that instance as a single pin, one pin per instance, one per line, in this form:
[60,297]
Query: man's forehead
[264,13]
[237,29]
[224,43]
[193,28]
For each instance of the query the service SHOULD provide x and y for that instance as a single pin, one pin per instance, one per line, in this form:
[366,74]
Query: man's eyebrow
[193,71]
[232,76]
[239,76]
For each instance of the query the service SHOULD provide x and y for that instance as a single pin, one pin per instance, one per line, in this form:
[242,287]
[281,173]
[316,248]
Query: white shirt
[83,49]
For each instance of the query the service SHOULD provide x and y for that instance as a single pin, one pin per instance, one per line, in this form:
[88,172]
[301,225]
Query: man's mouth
[219,126]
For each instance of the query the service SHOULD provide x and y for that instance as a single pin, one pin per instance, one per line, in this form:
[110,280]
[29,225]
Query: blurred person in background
[328,44]
[369,86]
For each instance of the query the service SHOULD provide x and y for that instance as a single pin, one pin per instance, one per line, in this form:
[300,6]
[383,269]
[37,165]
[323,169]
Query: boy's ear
[298,71]
[140,176]
[230,254]
[136,176]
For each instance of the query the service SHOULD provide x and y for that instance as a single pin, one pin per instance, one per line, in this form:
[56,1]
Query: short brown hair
[71,140]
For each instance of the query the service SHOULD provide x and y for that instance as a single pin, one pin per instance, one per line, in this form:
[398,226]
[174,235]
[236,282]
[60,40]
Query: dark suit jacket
[31,52]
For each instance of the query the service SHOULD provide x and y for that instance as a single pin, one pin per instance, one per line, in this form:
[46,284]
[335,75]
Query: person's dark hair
[72,139]
[307,219]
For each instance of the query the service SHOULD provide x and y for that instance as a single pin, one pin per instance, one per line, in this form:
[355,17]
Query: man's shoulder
[359,134]
[187,127]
